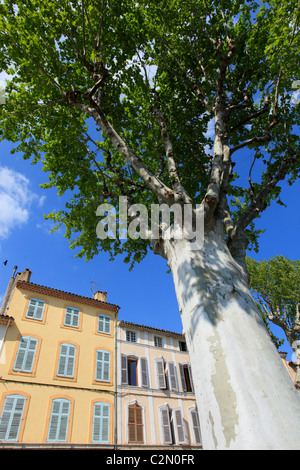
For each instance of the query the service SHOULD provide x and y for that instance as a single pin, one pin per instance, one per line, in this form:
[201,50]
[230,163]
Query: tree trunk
[245,398]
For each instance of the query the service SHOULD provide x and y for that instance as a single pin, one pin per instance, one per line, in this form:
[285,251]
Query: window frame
[187,385]
[26,353]
[103,366]
[106,319]
[158,339]
[138,428]
[101,419]
[68,358]
[12,418]
[36,307]
[59,420]
[130,334]
[72,316]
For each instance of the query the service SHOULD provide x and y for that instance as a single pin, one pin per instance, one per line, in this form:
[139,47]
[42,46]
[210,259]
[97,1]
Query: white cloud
[15,200]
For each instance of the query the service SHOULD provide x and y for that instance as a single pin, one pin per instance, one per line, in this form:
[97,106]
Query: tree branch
[154,184]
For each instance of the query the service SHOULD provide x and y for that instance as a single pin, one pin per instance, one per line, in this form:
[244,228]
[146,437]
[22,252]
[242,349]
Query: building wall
[42,384]
[149,397]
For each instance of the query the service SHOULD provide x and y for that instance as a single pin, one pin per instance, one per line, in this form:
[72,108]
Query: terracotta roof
[145,327]
[66,295]
[6,319]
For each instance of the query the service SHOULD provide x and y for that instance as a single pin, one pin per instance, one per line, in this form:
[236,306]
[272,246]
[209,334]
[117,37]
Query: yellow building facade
[57,367]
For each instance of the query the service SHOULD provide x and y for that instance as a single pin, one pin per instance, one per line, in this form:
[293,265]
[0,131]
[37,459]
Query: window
[182,346]
[172,420]
[102,366]
[130,372]
[35,309]
[101,423]
[72,317]
[66,361]
[135,424]
[104,322]
[186,377]
[196,426]
[59,420]
[166,374]
[131,336]
[158,342]
[26,354]
[11,417]
[167,425]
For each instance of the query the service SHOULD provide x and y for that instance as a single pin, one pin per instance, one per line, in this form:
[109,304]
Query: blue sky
[146,295]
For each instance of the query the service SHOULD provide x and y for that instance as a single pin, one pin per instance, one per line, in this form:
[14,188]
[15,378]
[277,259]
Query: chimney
[99,295]
[24,275]
[8,292]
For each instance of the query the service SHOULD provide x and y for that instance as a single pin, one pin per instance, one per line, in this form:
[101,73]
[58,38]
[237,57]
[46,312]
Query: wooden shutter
[26,354]
[144,372]
[172,376]
[180,428]
[11,418]
[166,425]
[135,424]
[124,370]
[101,423]
[196,426]
[66,362]
[58,426]
[160,373]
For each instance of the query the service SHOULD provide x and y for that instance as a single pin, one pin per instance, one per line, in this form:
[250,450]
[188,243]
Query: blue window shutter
[101,423]
[102,366]
[104,324]
[59,420]
[11,417]
[26,354]
[72,317]
[35,309]
[66,361]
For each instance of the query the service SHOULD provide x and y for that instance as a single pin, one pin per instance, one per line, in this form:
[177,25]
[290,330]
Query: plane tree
[275,284]
[188,103]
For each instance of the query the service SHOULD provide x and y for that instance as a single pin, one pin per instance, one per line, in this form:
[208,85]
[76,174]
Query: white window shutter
[11,418]
[26,354]
[183,382]
[144,372]
[180,427]
[166,426]
[196,426]
[124,370]
[172,376]
[191,377]
[160,373]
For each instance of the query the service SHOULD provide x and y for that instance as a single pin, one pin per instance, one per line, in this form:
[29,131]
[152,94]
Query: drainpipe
[8,292]
[116,382]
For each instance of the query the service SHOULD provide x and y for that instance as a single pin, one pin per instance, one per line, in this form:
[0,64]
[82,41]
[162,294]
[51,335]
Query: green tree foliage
[117,98]
[276,287]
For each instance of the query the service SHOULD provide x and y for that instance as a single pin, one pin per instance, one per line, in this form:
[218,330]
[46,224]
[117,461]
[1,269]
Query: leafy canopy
[276,286]
[123,98]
